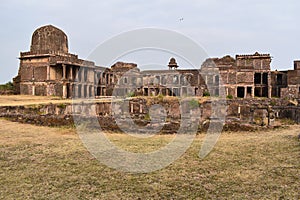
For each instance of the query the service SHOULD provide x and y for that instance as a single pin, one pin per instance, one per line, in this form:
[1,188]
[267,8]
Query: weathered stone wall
[240,113]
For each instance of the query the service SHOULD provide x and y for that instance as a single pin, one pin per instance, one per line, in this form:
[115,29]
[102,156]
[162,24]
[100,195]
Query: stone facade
[49,69]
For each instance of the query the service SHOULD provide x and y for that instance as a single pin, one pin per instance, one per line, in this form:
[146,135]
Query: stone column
[82,91]
[71,72]
[269,85]
[245,92]
[235,92]
[65,92]
[131,108]
[112,78]
[75,90]
[33,89]
[93,91]
[64,71]
[141,107]
[253,91]
[48,72]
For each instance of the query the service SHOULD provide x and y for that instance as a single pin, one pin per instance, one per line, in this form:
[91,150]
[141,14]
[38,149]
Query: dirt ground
[52,163]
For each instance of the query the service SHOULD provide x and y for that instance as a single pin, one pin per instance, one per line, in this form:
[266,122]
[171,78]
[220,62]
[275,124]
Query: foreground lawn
[52,163]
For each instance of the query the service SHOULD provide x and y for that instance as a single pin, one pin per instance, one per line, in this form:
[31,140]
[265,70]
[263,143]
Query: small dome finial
[173,64]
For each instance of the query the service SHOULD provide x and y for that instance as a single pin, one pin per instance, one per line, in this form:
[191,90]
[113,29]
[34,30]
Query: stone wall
[240,113]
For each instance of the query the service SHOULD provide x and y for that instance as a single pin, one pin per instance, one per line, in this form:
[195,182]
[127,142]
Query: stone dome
[49,38]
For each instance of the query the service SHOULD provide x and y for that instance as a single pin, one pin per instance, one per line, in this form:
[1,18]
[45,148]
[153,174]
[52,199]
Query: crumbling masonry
[49,69]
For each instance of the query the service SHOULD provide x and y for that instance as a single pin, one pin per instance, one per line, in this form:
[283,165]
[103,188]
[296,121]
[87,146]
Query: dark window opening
[79,91]
[257,78]
[240,92]
[85,75]
[265,92]
[107,79]
[69,90]
[98,91]
[146,92]
[249,90]
[85,91]
[79,75]
[176,92]
[217,80]
[217,93]
[265,78]
[156,91]
[170,93]
[257,92]
[279,79]
[90,91]
[196,91]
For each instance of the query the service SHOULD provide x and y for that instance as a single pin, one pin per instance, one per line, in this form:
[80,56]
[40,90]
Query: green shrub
[62,105]
[273,103]
[193,103]
[160,97]
[131,94]
[206,94]
[229,96]
[147,117]
[7,86]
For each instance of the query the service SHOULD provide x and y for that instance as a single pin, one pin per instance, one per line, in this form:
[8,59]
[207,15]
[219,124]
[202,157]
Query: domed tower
[173,64]
[49,39]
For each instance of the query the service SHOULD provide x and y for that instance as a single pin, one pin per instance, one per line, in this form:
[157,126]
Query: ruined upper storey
[48,39]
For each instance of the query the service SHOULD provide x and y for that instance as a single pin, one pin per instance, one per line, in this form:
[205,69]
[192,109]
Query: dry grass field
[52,163]
[15,100]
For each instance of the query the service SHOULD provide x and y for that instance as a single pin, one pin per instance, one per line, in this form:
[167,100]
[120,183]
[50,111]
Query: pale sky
[220,27]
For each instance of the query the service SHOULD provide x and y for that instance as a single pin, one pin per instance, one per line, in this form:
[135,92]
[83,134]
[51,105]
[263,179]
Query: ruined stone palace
[49,69]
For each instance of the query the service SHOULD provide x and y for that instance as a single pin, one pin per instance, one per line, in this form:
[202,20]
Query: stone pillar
[245,92]
[269,85]
[33,89]
[71,72]
[65,92]
[75,91]
[235,92]
[141,107]
[48,72]
[93,91]
[64,71]
[87,91]
[112,78]
[82,74]
[131,108]
[253,91]
[82,91]
[107,79]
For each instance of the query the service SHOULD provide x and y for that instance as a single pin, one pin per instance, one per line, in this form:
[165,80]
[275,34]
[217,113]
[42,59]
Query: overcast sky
[220,27]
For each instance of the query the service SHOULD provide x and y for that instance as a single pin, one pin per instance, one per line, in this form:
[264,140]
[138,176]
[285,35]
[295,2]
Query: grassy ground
[21,100]
[52,163]
[14,100]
